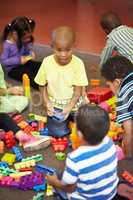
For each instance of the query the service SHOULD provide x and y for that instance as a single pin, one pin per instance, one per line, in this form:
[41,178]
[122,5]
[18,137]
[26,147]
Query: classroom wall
[82,15]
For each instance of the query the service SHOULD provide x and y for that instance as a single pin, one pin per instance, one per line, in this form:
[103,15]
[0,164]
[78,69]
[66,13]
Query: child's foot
[36,143]
[126,191]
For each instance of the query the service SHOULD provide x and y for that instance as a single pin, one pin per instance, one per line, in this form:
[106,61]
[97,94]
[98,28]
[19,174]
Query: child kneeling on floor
[91,169]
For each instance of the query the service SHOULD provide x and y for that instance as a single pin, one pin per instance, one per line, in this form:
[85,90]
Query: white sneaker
[36,143]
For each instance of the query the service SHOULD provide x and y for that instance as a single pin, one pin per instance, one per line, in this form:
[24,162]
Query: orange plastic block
[74,137]
[94,82]
[1,147]
[23,124]
[128,177]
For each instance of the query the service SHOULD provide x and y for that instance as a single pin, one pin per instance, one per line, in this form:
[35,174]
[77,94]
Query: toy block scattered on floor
[36,158]
[9,158]
[128,177]
[59,144]
[18,153]
[29,163]
[10,139]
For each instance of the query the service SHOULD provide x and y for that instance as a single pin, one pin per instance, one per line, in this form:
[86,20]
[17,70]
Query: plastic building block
[37,117]
[19,174]
[29,163]
[4,164]
[25,169]
[40,125]
[49,191]
[10,139]
[44,169]
[18,153]
[60,156]
[1,147]
[6,171]
[39,196]
[9,158]
[23,124]
[36,158]
[94,82]
[41,187]
[59,144]
[58,116]
[6,181]
[18,118]
[28,129]
[26,85]
[29,181]
[44,131]
[74,137]
[119,153]
[2,134]
[35,133]
[99,94]
[128,177]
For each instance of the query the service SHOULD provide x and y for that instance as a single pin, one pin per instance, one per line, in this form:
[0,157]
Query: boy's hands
[16,90]
[66,111]
[52,179]
[50,108]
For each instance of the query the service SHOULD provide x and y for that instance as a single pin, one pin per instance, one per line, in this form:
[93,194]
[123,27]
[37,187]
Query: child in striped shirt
[118,72]
[119,38]
[91,169]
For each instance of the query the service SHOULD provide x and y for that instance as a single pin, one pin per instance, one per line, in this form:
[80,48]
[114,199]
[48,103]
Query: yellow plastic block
[9,158]
[20,165]
[19,174]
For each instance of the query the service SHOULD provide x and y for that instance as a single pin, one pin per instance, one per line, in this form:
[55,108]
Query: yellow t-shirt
[61,80]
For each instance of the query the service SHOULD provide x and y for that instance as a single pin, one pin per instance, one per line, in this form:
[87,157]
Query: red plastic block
[59,144]
[99,94]
[28,129]
[128,177]
[10,139]
[18,118]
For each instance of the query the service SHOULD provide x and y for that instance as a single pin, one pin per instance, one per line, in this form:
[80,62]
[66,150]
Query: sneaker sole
[37,145]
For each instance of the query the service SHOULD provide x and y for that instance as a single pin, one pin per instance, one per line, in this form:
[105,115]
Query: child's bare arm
[55,182]
[47,103]
[76,95]
[128,138]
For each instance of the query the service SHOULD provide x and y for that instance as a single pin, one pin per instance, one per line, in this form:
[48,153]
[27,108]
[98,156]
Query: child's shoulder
[77,59]
[89,151]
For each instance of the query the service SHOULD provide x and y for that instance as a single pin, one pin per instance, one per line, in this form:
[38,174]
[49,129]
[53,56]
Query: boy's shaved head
[63,33]
[110,20]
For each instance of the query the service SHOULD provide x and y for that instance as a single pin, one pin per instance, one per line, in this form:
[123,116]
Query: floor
[82,15]
[49,156]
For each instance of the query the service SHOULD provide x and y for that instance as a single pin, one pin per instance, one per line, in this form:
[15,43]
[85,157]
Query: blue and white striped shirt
[125,99]
[94,170]
[121,40]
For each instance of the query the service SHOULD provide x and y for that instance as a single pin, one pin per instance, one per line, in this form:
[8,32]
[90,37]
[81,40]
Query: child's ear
[117,82]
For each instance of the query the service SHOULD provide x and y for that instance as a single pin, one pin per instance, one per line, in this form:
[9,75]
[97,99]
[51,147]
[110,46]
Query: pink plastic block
[119,153]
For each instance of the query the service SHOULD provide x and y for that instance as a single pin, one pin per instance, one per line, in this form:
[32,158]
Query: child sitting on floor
[11,99]
[62,77]
[91,169]
[118,72]
[18,56]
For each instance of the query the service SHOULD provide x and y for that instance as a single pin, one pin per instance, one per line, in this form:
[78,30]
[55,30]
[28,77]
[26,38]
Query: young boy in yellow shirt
[63,77]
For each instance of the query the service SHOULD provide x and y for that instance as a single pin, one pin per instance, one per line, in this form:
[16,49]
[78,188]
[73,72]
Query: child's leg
[7,123]
[30,68]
